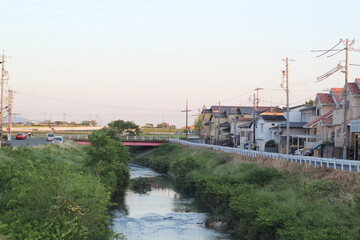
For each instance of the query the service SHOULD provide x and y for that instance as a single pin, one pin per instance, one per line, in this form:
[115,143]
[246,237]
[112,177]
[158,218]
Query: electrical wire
[329,49]
[329,73]
[75,13]
[336,52]
[92,104]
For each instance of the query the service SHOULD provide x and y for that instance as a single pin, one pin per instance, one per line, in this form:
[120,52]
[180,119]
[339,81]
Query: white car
[49,137]
[299,152]
[58,139]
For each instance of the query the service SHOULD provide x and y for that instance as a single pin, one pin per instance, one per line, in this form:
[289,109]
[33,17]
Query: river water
[161,214]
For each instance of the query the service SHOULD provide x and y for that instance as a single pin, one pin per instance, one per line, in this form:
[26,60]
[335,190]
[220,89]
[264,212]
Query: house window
[242,134]
[262,128]
[249,137]
[338,132]
[315,130]
[317,112]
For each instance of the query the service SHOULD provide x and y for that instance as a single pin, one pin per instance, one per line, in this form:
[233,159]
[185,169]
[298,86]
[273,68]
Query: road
[29,142]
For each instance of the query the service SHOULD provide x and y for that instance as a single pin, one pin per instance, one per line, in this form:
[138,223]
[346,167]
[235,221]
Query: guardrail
[340,164]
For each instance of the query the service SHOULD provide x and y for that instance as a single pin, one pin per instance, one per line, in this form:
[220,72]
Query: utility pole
[64,118]
[3,73]
[254,123]
[345,137]
[348,47]
[257,96]
[286,73]
[10,96]
[186,111]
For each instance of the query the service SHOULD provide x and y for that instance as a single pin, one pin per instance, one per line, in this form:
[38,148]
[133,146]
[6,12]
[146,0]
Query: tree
[88,123]
[163,125]
[125,128]
[149,125]
[198,123]
[108,158]
[309,103]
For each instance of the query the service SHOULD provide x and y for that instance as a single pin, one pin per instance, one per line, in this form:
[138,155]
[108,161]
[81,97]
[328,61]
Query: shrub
[108,158]
[48,194]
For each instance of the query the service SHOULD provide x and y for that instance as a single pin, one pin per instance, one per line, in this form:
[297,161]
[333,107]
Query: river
[161,214]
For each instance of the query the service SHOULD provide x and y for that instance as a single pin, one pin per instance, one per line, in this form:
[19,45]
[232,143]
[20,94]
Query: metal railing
[340,164]
[123,138]
[144,138]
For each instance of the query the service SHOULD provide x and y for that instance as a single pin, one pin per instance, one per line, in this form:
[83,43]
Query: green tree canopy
[163,125]
[310,103]
[125,128]
[198,123]
[108,158]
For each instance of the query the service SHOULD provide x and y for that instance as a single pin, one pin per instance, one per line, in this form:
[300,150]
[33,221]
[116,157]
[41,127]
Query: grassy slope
[46,192]
[263,198]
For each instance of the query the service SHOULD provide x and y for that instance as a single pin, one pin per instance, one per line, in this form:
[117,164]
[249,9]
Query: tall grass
[263,198]
[46,192]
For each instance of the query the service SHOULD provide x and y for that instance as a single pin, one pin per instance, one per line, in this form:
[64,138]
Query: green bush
[46,193]
[183,167]
[261,202]
[108,158]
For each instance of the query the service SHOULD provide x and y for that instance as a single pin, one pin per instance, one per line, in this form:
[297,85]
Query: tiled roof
[325,98]
[320,118]
[328,120]
[353,88]
[206,110]
[307,108]
[336,90]
[225,124]
[245,125]
[275,118]
[292,124]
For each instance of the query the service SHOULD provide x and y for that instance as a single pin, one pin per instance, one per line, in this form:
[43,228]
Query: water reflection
[160,214]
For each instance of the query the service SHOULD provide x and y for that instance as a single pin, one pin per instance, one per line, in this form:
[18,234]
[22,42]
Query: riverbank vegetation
[61,191]
[261,198]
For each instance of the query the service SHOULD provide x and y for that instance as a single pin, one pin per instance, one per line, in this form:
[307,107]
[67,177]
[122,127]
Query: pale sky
[141,60]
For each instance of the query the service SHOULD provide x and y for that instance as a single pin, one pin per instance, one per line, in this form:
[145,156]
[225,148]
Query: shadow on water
[161,213]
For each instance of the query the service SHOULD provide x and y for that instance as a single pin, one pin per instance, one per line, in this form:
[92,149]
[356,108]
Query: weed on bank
[55,192]
[263,199]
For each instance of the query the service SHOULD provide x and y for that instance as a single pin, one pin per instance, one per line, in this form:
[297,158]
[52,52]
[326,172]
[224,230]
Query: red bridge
[133,141]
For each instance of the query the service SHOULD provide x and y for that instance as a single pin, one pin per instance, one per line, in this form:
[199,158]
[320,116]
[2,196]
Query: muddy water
[161,214]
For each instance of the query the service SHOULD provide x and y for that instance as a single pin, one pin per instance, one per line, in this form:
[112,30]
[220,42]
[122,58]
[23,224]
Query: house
[321,127]
[353,114]
[264,123]
[221,124]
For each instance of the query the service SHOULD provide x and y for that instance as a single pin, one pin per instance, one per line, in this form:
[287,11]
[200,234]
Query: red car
[21,136]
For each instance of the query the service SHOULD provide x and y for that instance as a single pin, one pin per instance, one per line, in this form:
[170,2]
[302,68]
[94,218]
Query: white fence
[347,165]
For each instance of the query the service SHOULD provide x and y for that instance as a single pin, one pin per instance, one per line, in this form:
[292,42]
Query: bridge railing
[144,138]
[76,137]
[340,164]
[123,138]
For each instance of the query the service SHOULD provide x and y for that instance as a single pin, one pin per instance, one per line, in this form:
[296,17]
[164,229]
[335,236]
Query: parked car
[299,151]
[58,139]
[310,152]
[50,137]
[21,136]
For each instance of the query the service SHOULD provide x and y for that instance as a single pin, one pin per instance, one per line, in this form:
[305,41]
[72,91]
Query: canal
[160,214]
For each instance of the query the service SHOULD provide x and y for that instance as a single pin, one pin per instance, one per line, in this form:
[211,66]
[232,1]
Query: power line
[94,104]
[75,13]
